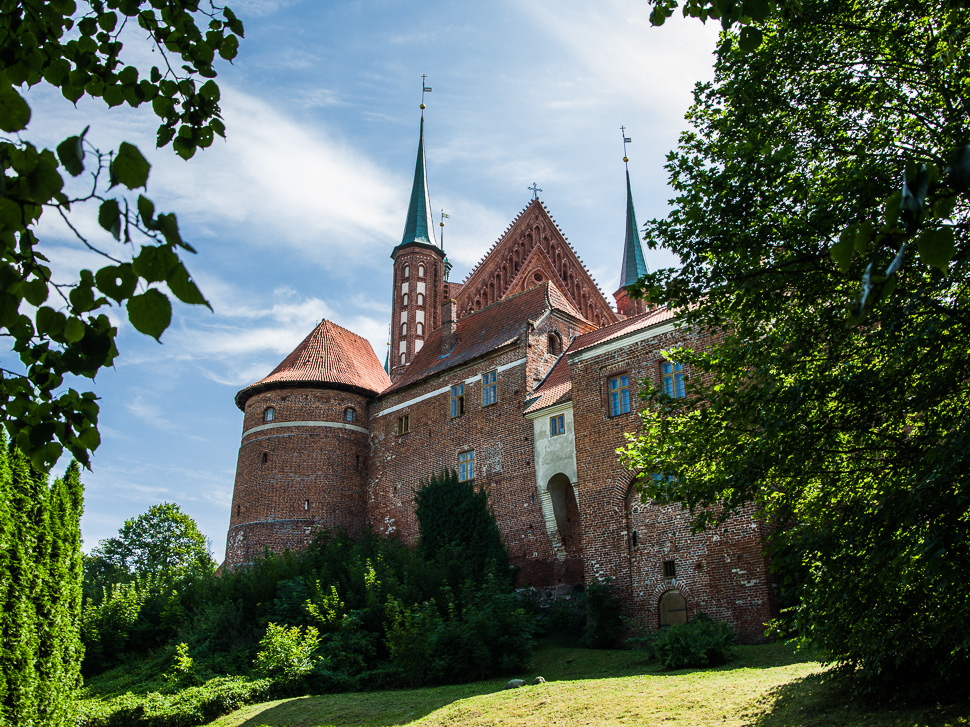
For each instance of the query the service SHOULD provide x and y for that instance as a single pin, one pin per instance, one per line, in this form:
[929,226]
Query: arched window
[407,271]
[404,329]
[420,271]
[419,329]
[420,300]
[269,415]
[404,300]
[555,343]
[404,358]
[350,415]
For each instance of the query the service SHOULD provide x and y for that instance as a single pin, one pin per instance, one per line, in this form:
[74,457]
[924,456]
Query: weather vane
[425,88]
[535,190]
[626,140]
[442,225]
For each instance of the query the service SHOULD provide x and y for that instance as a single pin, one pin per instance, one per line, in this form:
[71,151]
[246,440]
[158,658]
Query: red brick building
[522,377]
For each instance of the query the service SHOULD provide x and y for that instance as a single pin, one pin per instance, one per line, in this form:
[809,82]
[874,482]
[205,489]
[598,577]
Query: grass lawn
[766,686]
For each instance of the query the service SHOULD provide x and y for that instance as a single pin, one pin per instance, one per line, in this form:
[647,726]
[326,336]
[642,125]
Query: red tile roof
[329,355]
[484,331]
[616,330]
[556,388]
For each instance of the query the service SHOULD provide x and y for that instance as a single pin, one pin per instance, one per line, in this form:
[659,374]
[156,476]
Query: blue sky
[295,215]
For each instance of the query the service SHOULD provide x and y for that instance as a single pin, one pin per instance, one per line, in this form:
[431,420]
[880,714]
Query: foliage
[182,671]
[604,623]
[458,529]
[63,329]
[40,594]
[825,159]
[163,540]
[699,643]
[288,653]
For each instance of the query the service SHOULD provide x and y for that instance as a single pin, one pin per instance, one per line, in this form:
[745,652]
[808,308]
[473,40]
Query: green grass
[766,686]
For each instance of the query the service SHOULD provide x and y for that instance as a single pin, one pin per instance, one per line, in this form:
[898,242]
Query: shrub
[700,643]
[287,653]
[604,623]
[182,671]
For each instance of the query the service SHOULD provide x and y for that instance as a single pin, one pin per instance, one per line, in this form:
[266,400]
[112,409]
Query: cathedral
[523,378]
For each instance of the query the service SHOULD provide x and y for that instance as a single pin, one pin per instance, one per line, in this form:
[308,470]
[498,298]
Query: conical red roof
[329,355]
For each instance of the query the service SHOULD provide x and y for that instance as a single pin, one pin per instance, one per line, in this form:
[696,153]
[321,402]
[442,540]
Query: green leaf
[70,152]
[116,281]
[210,91]
[229,47]
[937,247]
[843,250]
[155,263]
[35,291]
[150,313]
[129,167]
[184,288]
[146,211]
[89,438]
[74,330]
[750,39]
[109,217]
[14,111]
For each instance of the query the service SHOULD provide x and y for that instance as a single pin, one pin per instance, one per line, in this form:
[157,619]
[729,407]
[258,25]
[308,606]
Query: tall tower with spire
[634,264]
[419,271]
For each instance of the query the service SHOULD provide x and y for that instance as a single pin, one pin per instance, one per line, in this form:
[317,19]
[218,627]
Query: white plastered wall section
[554,455]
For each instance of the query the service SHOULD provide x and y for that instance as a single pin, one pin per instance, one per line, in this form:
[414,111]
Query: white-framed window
[420,271]
[419,328]
[557,425]
[269,414]
[420,299]
[404,299]
[407,271]
[619,394]
[350,415]
[489,388]
[457,400]
[404,358]
[404,329]
[672,376]
[466,465]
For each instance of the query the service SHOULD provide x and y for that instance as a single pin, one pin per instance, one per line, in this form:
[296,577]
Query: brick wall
[292,479]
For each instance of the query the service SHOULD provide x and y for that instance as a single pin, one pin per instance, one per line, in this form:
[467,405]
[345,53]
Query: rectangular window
[672,375]
[670,569]
[489,388]
[466,465]
[403,424]
[619,395]
[557,425]
[457,400]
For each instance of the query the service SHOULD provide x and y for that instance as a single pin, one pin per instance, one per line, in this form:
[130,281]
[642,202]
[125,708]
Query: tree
[456,523]
[58,328]
[822,160]
[40,598]
[162,541]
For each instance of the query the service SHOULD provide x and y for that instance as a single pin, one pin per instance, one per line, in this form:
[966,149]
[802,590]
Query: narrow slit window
[350,415]
[457,400]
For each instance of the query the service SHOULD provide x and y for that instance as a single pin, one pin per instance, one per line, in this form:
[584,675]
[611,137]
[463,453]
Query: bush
[288,653]
[604,623]
[700,643]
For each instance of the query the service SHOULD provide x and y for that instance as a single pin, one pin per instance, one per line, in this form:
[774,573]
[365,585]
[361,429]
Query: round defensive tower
[303,459]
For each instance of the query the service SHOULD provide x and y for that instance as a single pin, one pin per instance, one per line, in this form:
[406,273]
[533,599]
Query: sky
[295,214]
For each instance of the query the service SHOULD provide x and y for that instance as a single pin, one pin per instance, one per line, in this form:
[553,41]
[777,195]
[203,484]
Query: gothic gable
[533,246]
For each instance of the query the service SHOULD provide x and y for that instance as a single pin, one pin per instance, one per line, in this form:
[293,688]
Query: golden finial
[424,89]
[626,140]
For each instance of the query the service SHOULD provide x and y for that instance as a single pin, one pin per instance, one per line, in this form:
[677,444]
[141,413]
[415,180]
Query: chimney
[449,325]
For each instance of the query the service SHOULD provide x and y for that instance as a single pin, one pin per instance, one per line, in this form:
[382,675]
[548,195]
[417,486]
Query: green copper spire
[418,227]
[633,263]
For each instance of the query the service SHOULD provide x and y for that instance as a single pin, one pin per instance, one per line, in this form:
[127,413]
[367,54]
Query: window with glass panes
[489,388]
[557,425]
[457,400]
[619,394]
[466,465]
[672,375]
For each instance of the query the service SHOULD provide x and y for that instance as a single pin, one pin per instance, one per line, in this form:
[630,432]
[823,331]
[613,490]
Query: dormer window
[350,415]
[269,414]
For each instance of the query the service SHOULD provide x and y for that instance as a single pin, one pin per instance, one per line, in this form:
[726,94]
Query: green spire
[418,227]
[633,263]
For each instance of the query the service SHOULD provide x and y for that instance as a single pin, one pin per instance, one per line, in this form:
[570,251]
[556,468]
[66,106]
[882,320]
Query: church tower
[419,273]
[634,264]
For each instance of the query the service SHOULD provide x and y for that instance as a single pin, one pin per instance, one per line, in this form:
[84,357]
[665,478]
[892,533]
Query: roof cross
[626,140]
[535,190]
[425,88]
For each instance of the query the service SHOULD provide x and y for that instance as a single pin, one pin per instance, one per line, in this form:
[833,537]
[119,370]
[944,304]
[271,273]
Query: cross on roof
[535,190]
